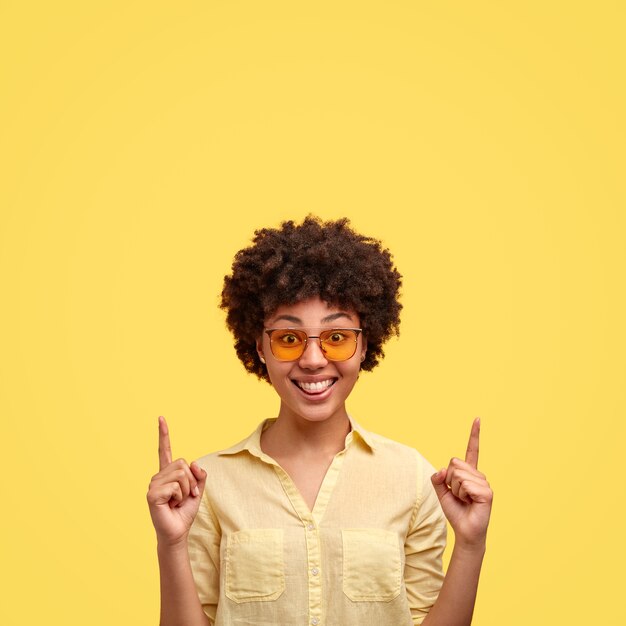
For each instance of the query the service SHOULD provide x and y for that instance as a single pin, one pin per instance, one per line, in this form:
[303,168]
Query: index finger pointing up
[471,456]
[165,449]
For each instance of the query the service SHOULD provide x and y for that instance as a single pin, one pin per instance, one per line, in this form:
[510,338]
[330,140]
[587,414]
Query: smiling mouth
[313,389]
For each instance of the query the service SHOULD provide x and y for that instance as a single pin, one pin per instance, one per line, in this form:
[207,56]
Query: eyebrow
[297,320]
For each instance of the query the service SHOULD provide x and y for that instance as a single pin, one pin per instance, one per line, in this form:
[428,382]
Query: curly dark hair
[295,262]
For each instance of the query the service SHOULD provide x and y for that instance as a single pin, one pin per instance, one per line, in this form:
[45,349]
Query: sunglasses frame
[269,332]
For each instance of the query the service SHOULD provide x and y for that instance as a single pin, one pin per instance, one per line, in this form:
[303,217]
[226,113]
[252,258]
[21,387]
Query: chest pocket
[255,569]
[372,568]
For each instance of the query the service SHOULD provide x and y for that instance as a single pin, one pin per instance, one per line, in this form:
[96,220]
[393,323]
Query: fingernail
[196,491]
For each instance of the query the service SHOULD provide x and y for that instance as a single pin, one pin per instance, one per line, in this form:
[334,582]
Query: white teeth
[315,386]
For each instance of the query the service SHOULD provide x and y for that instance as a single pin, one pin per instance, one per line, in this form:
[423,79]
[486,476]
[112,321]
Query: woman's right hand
[174,493]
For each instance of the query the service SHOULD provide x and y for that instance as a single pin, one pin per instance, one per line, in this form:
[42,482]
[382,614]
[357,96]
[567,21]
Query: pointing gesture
[165,448]
[174,493]
[465,494]
[471,454]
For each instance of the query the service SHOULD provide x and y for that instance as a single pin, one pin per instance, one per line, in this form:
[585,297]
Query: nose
[313,356]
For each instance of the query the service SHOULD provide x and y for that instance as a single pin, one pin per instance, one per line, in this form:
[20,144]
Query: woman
[312,519]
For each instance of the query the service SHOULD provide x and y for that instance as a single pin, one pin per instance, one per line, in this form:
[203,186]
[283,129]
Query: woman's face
[336,377]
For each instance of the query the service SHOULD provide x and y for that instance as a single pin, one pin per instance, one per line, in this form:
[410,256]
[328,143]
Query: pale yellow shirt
[370,552]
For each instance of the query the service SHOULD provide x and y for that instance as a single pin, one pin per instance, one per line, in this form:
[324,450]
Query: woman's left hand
[465,495]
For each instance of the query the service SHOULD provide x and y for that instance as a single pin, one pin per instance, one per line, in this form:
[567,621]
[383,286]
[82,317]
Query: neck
[291,434]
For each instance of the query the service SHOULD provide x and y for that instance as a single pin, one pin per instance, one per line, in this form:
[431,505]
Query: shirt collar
[252,443]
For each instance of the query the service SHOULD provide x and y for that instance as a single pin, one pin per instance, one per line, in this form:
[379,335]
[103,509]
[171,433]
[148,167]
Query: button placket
[313,549]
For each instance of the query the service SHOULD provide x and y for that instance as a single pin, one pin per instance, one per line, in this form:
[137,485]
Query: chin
[317,414]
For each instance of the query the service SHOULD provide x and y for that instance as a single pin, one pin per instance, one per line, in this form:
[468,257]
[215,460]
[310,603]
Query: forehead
[313,312]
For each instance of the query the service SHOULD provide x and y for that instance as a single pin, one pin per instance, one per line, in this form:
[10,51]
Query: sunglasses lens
[339,345]
[288,345]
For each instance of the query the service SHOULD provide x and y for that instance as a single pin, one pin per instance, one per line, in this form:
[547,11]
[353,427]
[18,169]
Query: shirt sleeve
[204,555]
[424,546]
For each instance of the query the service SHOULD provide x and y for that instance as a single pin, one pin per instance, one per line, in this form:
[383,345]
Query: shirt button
[315,621]
[315,571]
[310,526]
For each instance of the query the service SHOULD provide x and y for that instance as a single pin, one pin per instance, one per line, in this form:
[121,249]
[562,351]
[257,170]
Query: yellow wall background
[142,144]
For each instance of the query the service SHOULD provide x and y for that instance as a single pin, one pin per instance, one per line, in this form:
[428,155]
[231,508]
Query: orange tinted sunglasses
[337,344]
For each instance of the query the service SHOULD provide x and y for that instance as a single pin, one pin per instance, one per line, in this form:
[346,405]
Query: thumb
[439,483]
[201,476]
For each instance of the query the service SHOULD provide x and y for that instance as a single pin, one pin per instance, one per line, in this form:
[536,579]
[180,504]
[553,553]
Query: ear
[363,349]
[259,349]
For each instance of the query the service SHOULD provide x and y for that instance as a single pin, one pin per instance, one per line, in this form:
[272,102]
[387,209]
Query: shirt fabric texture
[370,552]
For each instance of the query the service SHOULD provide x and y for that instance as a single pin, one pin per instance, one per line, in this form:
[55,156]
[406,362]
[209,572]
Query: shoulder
[401,459]
[390,449]
[224,457]
[241,450]
[395,463]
